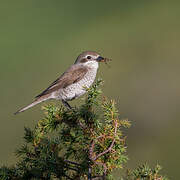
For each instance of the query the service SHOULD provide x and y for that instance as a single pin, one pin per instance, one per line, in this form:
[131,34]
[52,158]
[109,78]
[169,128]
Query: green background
[40,39]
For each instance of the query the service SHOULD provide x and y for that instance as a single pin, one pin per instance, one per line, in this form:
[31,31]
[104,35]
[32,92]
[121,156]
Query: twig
[95,157]
[90,173]
[91,150]
[71,162]
[72,169]
[82,125]
[104,166]
[106,151]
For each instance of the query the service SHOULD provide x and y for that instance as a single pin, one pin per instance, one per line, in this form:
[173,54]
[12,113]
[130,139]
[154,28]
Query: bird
[71,84]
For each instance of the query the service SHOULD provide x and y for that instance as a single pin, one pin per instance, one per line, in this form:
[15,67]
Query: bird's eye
[88,57]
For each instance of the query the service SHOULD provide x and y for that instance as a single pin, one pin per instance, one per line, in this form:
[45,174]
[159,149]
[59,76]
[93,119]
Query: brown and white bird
[70,85]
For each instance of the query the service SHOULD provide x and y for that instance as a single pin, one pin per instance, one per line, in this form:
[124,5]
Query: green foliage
[82,143]
[144,172]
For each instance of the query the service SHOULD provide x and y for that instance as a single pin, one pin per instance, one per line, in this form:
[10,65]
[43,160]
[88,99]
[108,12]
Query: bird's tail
[35,102]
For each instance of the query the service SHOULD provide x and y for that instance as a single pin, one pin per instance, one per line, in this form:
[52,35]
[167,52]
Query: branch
[71,162]
[91,149]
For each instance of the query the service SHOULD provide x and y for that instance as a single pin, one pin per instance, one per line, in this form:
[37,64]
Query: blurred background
[40,39]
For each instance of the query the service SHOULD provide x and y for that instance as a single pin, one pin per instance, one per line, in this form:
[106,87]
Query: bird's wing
[72,75]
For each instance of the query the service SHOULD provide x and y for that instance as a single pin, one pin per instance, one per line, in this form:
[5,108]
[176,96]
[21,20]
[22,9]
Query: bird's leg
[65,103]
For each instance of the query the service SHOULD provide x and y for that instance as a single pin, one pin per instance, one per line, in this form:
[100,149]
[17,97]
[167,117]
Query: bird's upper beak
[102,59]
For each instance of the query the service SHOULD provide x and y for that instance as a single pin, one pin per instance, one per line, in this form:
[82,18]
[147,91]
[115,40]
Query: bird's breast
[77,89]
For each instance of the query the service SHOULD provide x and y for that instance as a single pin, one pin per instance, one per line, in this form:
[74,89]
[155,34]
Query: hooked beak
[102,59]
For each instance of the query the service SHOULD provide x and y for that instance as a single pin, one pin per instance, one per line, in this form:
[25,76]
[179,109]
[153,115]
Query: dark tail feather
[37,101]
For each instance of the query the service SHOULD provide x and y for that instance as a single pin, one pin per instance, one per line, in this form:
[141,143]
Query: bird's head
[90,58]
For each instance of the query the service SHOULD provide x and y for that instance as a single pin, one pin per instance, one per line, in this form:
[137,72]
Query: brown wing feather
[72,75]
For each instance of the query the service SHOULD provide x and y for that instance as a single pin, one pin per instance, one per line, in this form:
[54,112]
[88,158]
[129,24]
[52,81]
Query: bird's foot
[65,103]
